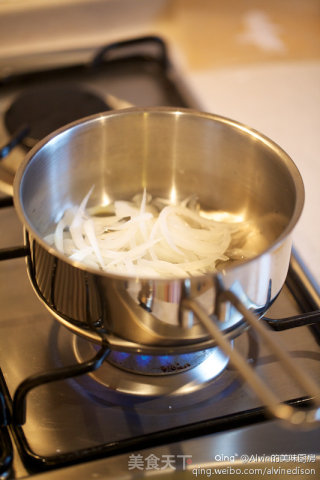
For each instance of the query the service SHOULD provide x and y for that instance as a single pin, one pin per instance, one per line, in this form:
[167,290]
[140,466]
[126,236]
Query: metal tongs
[277,409]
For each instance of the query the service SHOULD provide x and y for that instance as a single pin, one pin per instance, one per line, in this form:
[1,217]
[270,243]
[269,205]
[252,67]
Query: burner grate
[6,450]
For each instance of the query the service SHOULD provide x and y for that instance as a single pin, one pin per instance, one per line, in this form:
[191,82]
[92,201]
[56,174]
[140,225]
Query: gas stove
[130,414]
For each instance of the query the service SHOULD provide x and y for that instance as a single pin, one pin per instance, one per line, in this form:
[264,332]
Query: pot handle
[275,407]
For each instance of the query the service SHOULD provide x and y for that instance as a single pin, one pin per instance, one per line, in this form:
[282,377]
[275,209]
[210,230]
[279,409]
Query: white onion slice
[146,238]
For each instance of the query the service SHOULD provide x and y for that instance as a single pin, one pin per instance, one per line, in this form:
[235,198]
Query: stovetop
[136,71]
[96,416]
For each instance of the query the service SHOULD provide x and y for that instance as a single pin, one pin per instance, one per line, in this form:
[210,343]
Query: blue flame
[120,356]
[164,359]
[151,362]
[143,360]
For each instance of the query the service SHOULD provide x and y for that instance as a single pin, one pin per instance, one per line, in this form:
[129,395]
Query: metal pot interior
[173,153]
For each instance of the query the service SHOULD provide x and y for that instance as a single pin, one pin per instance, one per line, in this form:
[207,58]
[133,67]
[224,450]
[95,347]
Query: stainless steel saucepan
[234,170]
[236,173]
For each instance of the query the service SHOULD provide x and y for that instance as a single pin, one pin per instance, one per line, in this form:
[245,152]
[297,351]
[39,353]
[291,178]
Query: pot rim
[283,156]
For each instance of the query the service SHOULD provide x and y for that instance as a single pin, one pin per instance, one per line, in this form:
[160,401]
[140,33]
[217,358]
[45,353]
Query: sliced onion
[88,228]
[77,222]
[147,238]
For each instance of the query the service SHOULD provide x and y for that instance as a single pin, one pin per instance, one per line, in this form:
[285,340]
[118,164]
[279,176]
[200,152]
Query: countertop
[257,62]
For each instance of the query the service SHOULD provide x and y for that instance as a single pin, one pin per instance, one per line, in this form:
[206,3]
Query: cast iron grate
[6,450]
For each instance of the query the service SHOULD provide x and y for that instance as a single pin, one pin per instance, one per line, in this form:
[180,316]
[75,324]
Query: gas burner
[43,109]
[157,364]
[151,375]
